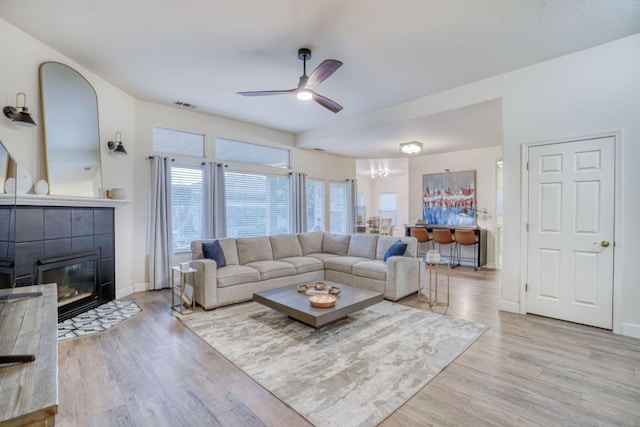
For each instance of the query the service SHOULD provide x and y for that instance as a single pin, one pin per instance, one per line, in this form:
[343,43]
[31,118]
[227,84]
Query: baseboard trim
[131,289]
[510,306]
[631,330]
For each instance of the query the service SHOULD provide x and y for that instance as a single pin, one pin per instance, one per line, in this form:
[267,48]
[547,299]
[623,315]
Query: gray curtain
[352,194]
[299,201]
[215,216]
[159,239]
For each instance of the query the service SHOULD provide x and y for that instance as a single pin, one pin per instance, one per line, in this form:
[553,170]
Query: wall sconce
[116,146]
[411,148]
[19,115]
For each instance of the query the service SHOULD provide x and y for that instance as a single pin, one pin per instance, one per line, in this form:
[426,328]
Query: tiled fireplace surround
[47,231]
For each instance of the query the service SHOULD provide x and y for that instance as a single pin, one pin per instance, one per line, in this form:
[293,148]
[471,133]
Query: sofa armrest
[205,282]
[403,277]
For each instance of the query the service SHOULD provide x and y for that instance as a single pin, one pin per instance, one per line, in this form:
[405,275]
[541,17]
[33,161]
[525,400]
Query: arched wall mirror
[4,167]
[71,135]
[7,229]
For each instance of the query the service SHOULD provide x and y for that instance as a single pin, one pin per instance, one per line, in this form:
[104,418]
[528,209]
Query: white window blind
[315,205]
[338,221]
[388,207]
[186,206]
[257,204]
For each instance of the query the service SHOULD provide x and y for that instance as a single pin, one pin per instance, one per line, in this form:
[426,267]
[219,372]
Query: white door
[571,223]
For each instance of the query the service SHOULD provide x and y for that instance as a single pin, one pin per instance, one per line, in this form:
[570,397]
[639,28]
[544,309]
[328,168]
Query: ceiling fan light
[304,95]
[410,148]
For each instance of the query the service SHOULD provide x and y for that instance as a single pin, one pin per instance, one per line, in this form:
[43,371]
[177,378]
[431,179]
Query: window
[315,205]
[177,142]
[257,204]
[388,207]
[186,206]
[244,152]
[338,208]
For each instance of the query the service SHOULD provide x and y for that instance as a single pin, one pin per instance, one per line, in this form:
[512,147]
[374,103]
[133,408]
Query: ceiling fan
[305,91]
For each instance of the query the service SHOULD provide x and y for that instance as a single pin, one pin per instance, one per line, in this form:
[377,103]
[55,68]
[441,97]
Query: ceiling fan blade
[327,103]
[267,92]
[322,71]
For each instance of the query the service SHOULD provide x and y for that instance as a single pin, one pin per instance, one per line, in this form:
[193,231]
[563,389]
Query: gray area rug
[98,319]
[354,372]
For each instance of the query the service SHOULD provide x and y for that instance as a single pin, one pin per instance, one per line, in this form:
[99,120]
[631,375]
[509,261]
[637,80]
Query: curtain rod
[151,158]
[173,160]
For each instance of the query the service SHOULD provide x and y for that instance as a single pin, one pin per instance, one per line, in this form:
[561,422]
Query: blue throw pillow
[214,251]
[397,249]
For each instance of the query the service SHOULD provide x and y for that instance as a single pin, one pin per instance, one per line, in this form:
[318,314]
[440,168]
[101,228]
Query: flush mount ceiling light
[116,146]
[19,115]
[411,148]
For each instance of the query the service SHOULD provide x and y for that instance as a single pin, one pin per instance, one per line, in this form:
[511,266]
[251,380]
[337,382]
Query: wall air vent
[184,104]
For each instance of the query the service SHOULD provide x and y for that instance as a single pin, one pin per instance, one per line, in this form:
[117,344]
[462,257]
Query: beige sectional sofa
[259,263]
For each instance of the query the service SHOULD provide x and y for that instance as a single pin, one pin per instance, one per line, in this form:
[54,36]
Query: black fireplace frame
[29,233]
[74,308]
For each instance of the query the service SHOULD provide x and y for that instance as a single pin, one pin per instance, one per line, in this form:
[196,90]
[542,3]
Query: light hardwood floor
[525,370]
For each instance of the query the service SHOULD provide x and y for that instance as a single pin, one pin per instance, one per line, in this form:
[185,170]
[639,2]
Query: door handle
[604,243]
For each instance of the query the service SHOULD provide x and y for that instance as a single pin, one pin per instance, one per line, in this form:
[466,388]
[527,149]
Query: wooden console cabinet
[29,391]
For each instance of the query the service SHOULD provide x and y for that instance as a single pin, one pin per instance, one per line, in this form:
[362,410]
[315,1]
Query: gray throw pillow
[214,251]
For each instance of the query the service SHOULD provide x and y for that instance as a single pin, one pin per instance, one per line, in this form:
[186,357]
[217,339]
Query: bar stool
[444,237]
[467,238]
[422,236]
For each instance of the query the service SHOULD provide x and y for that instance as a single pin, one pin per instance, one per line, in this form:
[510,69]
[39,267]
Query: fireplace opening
[76,275]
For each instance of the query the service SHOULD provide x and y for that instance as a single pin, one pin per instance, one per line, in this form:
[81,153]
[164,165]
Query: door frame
[618,230]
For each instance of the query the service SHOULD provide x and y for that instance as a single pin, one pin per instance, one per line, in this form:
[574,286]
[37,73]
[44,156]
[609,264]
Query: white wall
[583,94]
[119,112]
[317,165]
[483,161]
[21,59]
[392,184]
[586,93]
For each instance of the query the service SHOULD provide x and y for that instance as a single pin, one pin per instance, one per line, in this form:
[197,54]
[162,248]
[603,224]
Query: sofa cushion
[285,245]
[373,269]
[343,264]
[396,249]
[252,249]
[311,243]
[272,269]
[363,245]
[304,264]
[322,256]
[214,251]
[235,274]
[335,244]
[385,243]
[228,247]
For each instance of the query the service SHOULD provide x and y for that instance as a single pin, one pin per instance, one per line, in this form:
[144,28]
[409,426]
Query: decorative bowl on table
[323,301]
[318,288]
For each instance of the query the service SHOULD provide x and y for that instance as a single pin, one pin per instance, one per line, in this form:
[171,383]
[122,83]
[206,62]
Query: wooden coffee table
[289,301]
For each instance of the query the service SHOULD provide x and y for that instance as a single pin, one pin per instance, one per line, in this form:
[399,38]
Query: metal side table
[432,267]
[178,290]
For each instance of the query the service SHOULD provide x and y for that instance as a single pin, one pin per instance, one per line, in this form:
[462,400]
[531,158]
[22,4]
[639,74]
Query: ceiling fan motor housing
[304,54]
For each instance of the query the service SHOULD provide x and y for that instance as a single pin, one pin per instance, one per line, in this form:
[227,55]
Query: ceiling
[203,51]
